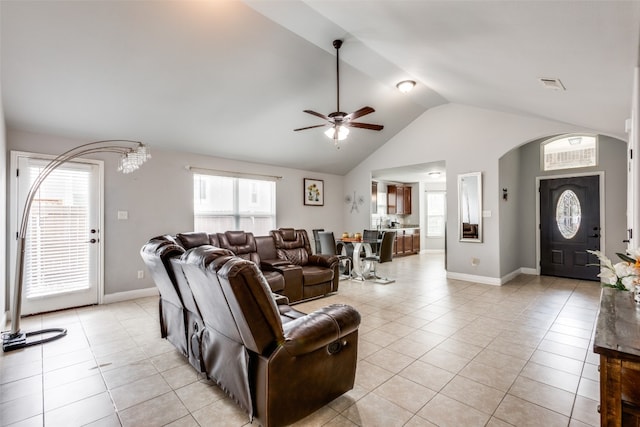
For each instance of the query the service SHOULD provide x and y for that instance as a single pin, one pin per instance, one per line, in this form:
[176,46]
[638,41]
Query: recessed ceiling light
[434,174]
[550,83]
[405,86]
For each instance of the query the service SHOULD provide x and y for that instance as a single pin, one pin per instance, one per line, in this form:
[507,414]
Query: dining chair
[385,254]
[316,239]
[328,247]
[372,237]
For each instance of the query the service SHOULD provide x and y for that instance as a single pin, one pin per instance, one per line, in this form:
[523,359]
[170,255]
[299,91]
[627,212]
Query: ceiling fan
[339,121]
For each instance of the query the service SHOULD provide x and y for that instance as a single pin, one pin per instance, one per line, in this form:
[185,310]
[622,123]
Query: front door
[569,226]
[62,256]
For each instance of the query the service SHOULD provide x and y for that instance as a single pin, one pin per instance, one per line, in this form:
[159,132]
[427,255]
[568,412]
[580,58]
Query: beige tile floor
[432,351]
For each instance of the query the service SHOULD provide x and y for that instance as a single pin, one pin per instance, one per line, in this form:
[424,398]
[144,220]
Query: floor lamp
[132,155]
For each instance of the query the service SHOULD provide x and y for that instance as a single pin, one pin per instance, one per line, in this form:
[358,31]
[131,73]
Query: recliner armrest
[320,328]
[280,299]
[328,261]
[271,264]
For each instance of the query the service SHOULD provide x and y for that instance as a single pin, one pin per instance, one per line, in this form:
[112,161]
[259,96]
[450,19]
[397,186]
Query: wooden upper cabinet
[392,199]
[406,196]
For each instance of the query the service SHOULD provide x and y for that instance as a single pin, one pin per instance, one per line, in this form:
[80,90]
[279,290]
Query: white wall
[4,289]
[469,139]
[159,200]
[512,234]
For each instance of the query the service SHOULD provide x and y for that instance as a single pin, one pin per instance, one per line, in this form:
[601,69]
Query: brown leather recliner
[320,273]
[278,373]
[243,244]
[180,320]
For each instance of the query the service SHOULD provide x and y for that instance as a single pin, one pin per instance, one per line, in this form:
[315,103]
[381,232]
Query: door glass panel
[568,214]
[57,253]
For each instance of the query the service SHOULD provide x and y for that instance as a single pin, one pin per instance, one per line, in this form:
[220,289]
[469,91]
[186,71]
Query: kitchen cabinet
[407,242]
[391,199]
[398,199]
[406,200]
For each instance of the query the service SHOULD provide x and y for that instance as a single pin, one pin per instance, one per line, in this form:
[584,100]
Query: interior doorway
[570,224]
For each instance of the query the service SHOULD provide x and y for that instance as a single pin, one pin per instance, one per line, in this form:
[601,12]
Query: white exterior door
[62,263]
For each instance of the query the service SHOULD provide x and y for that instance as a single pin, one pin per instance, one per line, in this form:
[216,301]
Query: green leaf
[626,258]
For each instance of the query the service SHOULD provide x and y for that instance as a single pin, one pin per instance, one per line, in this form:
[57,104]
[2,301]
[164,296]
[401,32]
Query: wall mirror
[470,207]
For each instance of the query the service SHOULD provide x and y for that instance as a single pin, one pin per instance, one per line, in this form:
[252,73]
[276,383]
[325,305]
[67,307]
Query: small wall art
[313,192]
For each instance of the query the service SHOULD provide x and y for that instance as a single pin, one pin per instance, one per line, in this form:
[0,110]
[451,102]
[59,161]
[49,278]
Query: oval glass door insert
[568,214]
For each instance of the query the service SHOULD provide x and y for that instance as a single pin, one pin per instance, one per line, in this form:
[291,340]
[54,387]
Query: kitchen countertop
[400,228]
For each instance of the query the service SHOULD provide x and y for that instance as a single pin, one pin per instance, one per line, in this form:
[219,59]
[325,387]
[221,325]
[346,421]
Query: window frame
[444,214]
[235,215]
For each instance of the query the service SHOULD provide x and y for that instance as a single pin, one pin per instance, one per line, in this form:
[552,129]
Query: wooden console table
[617,340]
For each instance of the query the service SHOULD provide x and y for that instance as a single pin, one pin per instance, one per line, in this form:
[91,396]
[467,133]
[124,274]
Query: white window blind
[57,253]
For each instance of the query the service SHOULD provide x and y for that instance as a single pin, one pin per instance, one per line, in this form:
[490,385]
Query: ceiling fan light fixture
[337,132]
[406,86]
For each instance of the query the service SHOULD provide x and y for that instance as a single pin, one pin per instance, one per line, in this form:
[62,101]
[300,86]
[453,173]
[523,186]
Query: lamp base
[19,339]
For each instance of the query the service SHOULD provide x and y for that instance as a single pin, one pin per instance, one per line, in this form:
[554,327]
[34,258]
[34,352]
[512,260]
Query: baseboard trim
[129,295]
[473,278]
[4,320]
[529,271]
[432,251]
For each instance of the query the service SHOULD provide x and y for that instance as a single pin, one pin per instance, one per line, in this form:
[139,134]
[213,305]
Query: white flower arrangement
[624,275]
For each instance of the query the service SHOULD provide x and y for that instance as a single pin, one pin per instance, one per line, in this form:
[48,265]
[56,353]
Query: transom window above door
[569,151]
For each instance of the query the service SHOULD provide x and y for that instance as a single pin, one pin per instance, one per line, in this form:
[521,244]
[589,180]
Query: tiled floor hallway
[432,351]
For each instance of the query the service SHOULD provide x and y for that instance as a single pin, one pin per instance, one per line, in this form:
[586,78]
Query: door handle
[595,235]
[91,241]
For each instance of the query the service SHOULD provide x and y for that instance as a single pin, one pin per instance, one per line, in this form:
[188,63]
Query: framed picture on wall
[313,192]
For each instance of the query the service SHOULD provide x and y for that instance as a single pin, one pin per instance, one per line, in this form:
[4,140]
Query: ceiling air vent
[553,84]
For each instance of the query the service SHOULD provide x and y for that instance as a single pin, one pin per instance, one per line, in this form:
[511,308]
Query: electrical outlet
[475,262]
[140,274]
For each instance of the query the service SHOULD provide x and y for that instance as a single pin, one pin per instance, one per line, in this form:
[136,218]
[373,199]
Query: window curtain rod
[219,172]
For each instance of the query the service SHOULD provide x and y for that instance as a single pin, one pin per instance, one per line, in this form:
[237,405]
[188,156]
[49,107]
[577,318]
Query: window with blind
[57,256]
[224,203]
[436,211]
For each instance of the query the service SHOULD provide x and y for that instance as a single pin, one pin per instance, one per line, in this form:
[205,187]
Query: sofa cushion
[314,275]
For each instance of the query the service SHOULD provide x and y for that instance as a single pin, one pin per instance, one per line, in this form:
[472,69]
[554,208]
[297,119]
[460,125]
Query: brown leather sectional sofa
[219,310]
[284,257]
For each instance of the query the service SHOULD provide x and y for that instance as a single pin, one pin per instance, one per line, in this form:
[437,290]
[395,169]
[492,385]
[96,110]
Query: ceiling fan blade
[359,113]
[365,126]
[313,113]
[311,127]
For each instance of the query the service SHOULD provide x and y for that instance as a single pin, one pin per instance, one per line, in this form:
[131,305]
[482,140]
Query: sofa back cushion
[292,245]
[254,309]
[156,254]
[192,239]
[240,243]
[266,247]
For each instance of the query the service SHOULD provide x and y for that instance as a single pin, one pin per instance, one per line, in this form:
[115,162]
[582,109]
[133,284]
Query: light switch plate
[123,215]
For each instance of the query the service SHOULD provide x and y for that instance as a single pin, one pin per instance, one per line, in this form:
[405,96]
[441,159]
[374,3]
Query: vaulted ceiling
[231,79]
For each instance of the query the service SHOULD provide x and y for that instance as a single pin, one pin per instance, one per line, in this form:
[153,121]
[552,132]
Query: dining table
[361,267]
